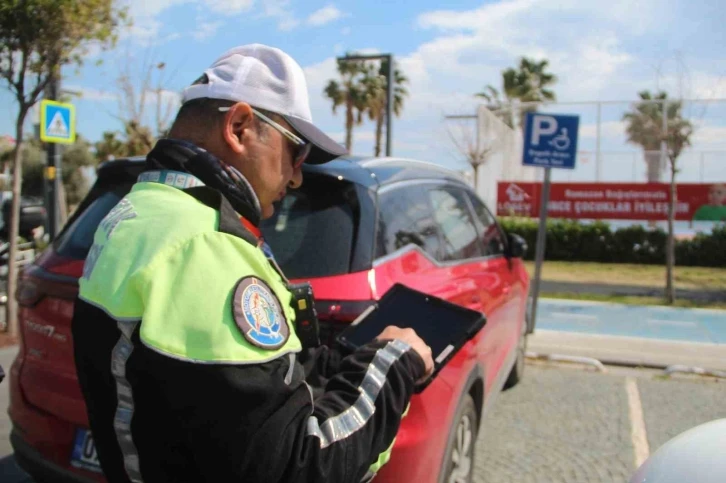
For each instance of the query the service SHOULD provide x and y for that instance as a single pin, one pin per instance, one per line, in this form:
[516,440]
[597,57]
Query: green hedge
[597,242]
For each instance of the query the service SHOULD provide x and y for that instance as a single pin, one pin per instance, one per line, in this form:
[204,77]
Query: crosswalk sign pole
[51,172]
[57,126]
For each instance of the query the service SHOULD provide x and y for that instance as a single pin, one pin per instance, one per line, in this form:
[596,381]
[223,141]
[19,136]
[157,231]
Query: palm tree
[376,85]
[349,93]
[497,104]
[528,83]
[645,127]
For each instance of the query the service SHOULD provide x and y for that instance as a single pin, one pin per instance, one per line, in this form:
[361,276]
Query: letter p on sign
[542,126]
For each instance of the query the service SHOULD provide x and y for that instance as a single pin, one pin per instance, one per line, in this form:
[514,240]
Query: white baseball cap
[267,78]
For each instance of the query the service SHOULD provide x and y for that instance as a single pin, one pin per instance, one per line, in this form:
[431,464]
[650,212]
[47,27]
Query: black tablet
[443,325]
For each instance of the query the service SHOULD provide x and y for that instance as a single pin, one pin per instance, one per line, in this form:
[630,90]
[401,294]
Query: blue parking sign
[57,122]
[550,140]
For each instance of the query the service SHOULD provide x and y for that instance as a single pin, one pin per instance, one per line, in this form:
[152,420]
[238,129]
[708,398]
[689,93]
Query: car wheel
[459,465]
[517,372]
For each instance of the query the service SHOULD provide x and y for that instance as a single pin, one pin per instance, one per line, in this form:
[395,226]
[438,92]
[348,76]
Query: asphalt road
[652,322]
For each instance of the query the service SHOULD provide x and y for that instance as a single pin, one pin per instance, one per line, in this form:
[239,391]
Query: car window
[76,240]
[493,241]
[452,215]
[312,232]
[405,217]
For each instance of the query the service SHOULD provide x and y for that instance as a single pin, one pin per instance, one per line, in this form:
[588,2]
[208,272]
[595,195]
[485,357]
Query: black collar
[186,157]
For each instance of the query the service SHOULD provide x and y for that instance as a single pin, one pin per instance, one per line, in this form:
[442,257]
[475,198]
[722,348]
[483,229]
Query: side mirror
[517,246]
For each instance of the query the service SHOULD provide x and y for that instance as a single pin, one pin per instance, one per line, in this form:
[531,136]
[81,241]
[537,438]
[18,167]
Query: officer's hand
[409,337]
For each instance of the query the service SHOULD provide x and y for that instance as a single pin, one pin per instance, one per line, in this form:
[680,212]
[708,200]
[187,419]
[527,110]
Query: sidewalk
[629,350]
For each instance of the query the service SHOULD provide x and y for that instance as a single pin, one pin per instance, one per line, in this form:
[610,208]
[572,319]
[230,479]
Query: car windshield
[312,232]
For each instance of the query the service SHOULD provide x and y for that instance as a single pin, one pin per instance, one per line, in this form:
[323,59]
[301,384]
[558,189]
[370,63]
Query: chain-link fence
[618,141]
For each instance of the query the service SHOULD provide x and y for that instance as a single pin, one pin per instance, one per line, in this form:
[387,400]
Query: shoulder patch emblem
[258,314]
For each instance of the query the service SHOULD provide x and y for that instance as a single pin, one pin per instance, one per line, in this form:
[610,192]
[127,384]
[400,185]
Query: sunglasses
[302,148]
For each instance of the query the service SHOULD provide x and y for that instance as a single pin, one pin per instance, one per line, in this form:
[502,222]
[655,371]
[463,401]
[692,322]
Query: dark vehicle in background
[355,228]
[32,215]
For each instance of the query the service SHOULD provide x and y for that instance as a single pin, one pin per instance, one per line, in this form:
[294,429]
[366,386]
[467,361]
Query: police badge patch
[258,314]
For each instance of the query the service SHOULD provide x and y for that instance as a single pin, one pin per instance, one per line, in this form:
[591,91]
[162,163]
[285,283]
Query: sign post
[550,141]
[57,126]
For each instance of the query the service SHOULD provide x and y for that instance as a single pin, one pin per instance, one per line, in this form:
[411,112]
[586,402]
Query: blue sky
[599,51]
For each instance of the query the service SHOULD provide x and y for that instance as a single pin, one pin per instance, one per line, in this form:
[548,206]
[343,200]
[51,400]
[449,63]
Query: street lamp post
[389,91]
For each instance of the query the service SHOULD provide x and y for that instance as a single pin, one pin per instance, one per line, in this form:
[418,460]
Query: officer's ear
[238,126]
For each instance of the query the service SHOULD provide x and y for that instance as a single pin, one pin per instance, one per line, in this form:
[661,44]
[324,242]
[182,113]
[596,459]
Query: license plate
[84,452]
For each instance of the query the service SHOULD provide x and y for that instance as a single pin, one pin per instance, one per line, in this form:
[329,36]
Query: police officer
[183,331]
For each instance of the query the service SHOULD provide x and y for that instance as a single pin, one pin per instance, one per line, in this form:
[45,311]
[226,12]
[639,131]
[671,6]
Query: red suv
[356,227]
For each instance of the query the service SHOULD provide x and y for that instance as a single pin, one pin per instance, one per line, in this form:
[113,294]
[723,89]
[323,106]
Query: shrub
[571,240]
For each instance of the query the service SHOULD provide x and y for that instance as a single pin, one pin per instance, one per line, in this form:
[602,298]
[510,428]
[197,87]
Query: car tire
[461,447]
[517,372]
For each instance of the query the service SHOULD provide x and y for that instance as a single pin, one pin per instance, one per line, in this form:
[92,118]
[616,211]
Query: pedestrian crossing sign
[57,122]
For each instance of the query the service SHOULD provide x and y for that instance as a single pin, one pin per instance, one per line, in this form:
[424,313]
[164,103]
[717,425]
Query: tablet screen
[444,326]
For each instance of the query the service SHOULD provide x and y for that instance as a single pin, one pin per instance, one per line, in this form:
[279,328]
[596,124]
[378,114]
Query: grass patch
[694,278]
[634,300]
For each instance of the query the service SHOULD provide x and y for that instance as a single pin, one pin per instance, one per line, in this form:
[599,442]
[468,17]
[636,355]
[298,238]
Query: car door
[500,281]
[408,244]
[459,248]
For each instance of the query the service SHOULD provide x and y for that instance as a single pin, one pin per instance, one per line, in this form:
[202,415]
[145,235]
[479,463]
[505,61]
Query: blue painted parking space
[654,322]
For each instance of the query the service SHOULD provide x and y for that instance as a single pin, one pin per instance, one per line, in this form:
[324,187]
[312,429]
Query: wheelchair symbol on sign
[561,141]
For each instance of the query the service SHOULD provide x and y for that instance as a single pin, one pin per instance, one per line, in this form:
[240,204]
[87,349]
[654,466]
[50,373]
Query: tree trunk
[476,177]
[62,201]
[348,125]
[379,132]
[671,245]
[653,166]
[11,308]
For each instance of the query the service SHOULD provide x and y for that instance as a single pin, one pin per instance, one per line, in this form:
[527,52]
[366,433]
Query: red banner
[614,201]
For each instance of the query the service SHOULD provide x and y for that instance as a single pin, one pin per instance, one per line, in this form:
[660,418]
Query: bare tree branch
[468,143]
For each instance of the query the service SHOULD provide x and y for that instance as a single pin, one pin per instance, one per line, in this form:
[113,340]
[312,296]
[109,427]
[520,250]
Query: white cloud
[172,99]
[143,13]
[150,8]
[317,77]
[710,135]
[690,85]
[358,135]
[325,15]
[146,25]
[206,30]
[229,7]
[282,12]
[287,24]
[589,46]
[610,129]
[489,14]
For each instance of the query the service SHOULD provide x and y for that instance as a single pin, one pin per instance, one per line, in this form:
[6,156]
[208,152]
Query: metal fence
[605,152]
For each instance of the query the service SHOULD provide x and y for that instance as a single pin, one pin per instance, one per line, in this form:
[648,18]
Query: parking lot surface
[563,423]
[570,424]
